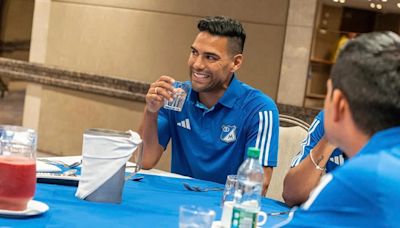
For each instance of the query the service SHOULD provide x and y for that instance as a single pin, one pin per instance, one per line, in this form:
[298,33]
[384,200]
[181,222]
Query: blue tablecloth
[152,202]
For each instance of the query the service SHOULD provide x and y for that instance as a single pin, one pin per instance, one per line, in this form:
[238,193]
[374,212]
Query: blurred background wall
[143,39]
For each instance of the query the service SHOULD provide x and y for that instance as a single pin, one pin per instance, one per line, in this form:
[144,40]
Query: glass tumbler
[17,167]
[229,191]
[178,97]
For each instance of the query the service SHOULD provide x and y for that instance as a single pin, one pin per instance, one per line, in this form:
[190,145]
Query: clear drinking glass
[178,97]
[229,191]
[17,167]
[191,216]
[227,201]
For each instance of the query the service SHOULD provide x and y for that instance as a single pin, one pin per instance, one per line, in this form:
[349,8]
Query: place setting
[98,175]
[50,171]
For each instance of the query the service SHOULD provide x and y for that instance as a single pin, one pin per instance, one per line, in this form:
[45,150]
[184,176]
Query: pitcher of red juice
[17,167]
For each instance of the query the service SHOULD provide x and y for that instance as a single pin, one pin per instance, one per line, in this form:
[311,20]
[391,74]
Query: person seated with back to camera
[361,117]
[222,116]
[317,157]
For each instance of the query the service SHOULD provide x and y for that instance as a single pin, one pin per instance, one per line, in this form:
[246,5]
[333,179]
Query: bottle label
[242,218]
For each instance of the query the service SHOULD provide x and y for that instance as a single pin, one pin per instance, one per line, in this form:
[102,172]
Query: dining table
[153,200]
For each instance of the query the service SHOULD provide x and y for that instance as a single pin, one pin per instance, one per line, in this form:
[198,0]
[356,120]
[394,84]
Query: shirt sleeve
[315,133]
[164,133]
[347,197]
[264,134]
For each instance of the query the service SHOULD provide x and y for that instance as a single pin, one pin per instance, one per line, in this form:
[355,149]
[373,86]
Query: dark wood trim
[85,82]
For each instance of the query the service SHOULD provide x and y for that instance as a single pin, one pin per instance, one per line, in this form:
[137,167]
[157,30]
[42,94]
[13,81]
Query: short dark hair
[225,26]
[368,73]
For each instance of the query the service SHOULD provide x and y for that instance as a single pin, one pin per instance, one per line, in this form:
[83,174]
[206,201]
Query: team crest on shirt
[228,133]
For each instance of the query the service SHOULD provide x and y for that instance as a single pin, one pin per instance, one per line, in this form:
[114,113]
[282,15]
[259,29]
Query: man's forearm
[267,179]
[300,180]
[148,131]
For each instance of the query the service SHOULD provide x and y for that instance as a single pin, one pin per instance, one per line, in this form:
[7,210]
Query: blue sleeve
[346,197]
[315,133]
[164,133]
[264,133]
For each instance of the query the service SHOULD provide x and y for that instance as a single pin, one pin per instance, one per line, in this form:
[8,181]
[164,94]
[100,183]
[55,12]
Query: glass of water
[178,97]
[229,191]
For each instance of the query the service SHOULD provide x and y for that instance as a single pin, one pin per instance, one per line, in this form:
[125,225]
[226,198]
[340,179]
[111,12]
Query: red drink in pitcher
[17,182]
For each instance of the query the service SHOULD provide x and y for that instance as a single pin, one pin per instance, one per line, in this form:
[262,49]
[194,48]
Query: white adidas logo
[184,123]
[339,160]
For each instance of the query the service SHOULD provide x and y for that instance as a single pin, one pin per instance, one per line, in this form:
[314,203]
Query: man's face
[210,63]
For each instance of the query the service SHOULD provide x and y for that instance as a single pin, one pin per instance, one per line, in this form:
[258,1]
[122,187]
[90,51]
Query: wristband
[315,164]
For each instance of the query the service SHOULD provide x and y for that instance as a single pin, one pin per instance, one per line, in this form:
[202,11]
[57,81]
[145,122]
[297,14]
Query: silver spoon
[56,162]
[70,172]
[201,189]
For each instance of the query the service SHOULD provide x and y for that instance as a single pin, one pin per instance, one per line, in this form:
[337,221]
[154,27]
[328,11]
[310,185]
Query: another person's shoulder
[317,126]
[318,120]
[320,116]
[365,170]
[256,98]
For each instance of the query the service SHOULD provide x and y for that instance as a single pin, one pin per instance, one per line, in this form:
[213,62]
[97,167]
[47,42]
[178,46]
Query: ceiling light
[372,5]
[378,6]
[398,4]
[342,1]
[384,0]
[336,0]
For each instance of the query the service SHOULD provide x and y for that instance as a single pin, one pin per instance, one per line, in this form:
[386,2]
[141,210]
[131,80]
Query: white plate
[34,208]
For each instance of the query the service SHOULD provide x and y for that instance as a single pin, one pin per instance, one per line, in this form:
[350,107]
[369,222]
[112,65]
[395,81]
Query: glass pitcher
[17,167]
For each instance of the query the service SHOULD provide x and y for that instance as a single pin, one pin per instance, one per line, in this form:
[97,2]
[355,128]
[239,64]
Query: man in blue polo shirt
[316,158]
[362,110]
[221,117]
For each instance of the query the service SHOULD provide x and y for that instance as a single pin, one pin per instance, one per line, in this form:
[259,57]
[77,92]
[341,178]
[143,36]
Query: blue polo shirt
[210,144]
[315,133]
[369,187]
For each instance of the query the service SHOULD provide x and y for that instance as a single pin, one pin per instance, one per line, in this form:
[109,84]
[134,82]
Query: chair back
[292,131]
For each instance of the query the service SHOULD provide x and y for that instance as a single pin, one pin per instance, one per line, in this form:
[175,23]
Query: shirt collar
[232,93]
[381,140]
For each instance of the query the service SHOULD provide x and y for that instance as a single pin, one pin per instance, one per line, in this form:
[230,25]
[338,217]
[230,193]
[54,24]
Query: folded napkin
[104,153]
[43,167]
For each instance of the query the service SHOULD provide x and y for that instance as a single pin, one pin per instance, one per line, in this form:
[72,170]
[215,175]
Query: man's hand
[158,91]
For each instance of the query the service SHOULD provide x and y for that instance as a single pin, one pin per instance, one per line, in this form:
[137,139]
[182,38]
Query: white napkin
[103,156]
